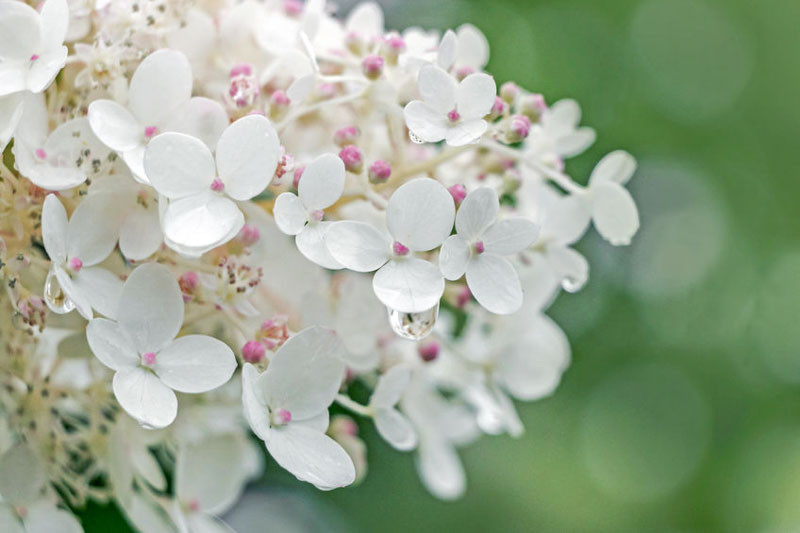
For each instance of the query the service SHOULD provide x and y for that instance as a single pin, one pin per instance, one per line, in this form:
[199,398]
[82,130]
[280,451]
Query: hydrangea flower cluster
[222,222]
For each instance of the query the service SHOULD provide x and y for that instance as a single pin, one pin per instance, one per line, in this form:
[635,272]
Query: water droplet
[414,138]
[413,326]
[572,284]
[54,295]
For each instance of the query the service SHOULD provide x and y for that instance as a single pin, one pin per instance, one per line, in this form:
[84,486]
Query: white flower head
[479,247]
[450,111]
[159,100]
[149,362]
[287,407]
[32,50]
[74,247]
[392,425]
[202,211]
[419,217]
[301,215]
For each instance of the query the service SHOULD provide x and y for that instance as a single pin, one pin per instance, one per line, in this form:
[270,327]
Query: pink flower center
[150,131]
[242,69]
[282,416]
[399,248]
[317,215]
[479,248]
[40,153]
[217,185]
[454,116]
[149,358]
[372,66]
[380,171]
[34,57]
[458,192]
[75,264]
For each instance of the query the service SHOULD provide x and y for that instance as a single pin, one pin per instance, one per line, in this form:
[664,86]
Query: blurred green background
[681,410]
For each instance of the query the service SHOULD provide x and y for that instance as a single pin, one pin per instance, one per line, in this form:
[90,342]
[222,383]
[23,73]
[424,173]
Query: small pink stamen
[217,185]
[249,235]
[280,99]
[242,69]
[282,416]
[75,264]
[399,248]
[253,352]
[34,57]
[317,215]
[150,131]
[372,66]
[345,136]
[40,153]
[458,192]
[454,116]
[149,358]
[395,42]
[479,248]
[379,171]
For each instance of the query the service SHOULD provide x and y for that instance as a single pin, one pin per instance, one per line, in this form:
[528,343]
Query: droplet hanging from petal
[54,295]
[572,284]
[413,326]
[414,138]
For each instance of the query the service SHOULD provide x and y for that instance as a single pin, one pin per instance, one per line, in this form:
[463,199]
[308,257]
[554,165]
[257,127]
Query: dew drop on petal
[55,296]
[413,326]
[414,138]
[571,284]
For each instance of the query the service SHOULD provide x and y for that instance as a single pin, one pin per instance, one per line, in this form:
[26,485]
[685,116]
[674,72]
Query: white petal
[142,395]
[570,266]
[140,235]
[290,215]
[366,19]
[45,517]
[305,375]
[195,363]
[568,218]
[80,300]
[114,125]
[409,285]
[322,182]
[311,243]
[44,70]
[110,344]
[510,236]
[618,167]
[254,405]
[576,142]
[477,212]
[311,456]
[203,523]
[21,475]
[54,229]
[151,307]
[425,122]
[395,428]
[614,213]
[438,88]
[494,283]
[446,54]
[134,158]
[473,48]
[13,77]
[420,214]
[440,469]
[203,220]
[391,386]
[199,117]
[301,87]
[9,522]
[453,257]
[19,31]
[562,117]
[247,155]
[179,165]
[93,229]
[357,245]
[475,96]
[161,83]
[11,108]
[54,20]
[466,132]
[101,288]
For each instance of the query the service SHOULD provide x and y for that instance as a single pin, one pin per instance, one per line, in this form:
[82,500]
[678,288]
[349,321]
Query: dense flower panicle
[254,207]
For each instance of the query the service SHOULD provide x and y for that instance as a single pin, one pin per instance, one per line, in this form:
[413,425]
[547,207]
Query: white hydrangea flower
[478,249]
[450,111]
[74,247]
[23,507]
[419,217]
[612,208]
[202,211]
[287,407]
[301,215]
[466,49]
[149,362]
[159,100]
[392,425]
[557,135]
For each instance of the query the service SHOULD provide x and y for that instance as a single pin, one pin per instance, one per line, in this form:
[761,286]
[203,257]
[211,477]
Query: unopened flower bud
[293,8]
[353,158]
[372,66]
[249,235]
[509,91]
[355,43]
[519,127]
[243,91]
[298,173]
[532,106]
[428,351]
[458,192]
[393,46]
[345,136]
[253,352]
[463,72]
[379,171]
[499,108]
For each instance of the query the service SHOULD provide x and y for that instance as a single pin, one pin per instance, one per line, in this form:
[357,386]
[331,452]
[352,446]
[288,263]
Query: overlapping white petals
[392,425]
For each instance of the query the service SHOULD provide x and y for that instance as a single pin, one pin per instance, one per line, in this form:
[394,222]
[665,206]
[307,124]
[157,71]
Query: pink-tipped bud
[279,99]
[149,358]
[372,66]
[298,173]
[519,127]
[509,91]
[242,69]
[243,91]
[40,153]
[34,57]
[253,352]
[394,41]
[479,247]
[454,116]
[399,248]
[317,214]
[75,264]
[355,43]
[499,107]
[458,192]
[217,185]
[273,332]
[379,171]
[282,416]
[428,351]
[353,158]
[150,131]
[249,235]
[463,72]
[532,106]
[293,8]
[463,298]
[345,136]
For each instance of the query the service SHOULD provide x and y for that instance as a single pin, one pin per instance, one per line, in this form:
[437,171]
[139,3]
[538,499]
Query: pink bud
[463,72]
[532,106]
[298,173]
[372,66]
[279,99]
[75,264]
[282,416]
[293,8]
[519,127]
[395,42]
[509,91]
[34,57]
[242,69]
[149,358]
[345,136]
[217,185]
[40,153]
[454,116]
[379,171]
[399,248]
[150,131]
[428,351]
[499,106]
[458,192]
[253,352]
[249,235]
[352,158]
[188,282]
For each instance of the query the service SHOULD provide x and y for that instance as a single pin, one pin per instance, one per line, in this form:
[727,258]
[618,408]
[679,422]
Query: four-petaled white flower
[449,110]
[611,206]
[320,186]
[419,217]
[159,100]
[202,211]
[465,49]
[478,249]
[392,425]
[74,246]
[287,407]
[150,363]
